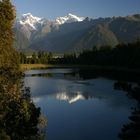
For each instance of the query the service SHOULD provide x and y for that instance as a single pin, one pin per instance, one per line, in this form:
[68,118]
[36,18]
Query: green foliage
[36,58]
[126,55]
[8,56]
[69,58]
[18,115]
[122,55]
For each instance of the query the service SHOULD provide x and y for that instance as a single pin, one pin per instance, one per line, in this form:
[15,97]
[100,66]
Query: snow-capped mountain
[69,19]
[30,20]
[33,28]
[33,22]
[80,33]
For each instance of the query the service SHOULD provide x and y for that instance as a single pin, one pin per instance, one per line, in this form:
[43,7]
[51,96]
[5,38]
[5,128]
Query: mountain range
[72,33]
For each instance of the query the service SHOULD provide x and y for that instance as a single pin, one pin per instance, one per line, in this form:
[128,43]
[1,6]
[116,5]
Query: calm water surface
[77,107]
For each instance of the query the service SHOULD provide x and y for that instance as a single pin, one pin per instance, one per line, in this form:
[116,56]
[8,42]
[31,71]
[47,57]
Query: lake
[80,107]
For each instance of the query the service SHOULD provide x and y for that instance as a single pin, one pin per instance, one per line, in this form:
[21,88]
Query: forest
[122,55]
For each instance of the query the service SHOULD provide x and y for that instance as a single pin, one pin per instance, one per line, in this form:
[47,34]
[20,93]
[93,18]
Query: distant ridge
[72,33]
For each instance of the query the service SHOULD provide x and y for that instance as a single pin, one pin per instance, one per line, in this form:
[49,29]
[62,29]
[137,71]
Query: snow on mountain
[69,19]
[30,20]
[33,22]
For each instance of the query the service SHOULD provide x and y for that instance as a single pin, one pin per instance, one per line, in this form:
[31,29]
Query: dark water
[79,107]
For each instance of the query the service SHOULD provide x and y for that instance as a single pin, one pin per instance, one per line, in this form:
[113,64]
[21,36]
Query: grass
[109,68]
[45,66]
[33,66]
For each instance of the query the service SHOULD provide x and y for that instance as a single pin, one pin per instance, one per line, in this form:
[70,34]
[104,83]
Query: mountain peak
[69,19]
[70,14]
[33,21]
[30,16]
[29,19]
[27,14]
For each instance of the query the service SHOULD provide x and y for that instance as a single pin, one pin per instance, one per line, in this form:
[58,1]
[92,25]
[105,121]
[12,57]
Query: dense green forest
[125,55]
[36,58]
[122,55]
[18,115]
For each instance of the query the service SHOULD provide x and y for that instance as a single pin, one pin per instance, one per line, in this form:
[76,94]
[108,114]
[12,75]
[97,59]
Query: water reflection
[85,107]
[84,74]
[69,90]
[73,96]
[70,98]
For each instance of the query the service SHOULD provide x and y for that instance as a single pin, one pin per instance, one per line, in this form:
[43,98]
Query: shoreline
[45,66]
[111,72]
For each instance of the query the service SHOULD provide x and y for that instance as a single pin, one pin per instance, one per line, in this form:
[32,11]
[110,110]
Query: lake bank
[112,72]
[45,66]
[33,66]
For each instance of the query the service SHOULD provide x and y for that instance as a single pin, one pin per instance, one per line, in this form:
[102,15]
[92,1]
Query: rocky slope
[72,33]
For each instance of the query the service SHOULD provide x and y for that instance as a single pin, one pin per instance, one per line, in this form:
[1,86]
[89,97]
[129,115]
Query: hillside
[72,33]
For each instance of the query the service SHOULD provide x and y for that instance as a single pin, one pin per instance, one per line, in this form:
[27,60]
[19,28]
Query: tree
[34,58]
[19,117]
[8,56]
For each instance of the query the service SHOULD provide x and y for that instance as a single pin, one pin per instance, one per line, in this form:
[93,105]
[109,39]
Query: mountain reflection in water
[81,104]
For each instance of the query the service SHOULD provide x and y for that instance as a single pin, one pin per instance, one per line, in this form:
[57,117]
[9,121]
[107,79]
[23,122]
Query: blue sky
[92,8]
